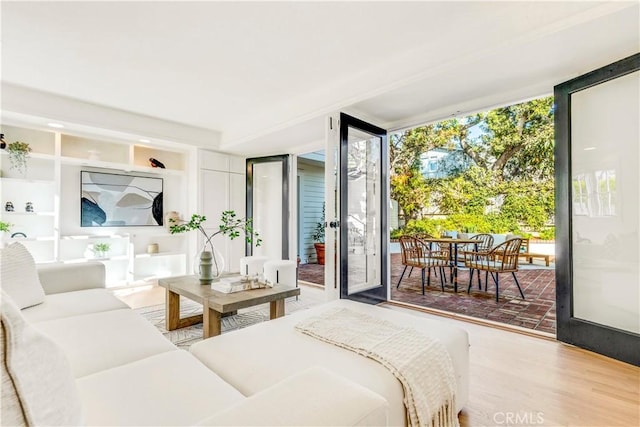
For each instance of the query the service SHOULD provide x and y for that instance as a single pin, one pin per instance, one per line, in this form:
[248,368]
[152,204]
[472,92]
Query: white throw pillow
[40,372]
[19,277]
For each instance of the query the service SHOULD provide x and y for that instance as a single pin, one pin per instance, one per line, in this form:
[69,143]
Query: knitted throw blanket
[420,363]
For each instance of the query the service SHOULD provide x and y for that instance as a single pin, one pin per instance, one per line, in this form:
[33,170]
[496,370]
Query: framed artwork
[113,200]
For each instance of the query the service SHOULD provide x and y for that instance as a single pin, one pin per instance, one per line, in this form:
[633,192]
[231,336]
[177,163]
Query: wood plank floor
[520,380]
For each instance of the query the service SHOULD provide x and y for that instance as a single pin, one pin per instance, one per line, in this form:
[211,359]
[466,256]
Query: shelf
[27,180]
[29,213]
[94,236]
[157,235]
[125,167]
[159,254]
[80,260]
[29,239]
[32,155]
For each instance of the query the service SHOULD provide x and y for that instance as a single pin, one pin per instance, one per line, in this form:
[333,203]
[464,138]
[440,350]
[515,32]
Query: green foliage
[396,233]
[318,232]
[230,226]
[101,247]
[548,233]
[5,227]
[509,185]
[18,154]
[411,192]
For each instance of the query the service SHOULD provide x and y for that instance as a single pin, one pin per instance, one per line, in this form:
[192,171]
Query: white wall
[222,186]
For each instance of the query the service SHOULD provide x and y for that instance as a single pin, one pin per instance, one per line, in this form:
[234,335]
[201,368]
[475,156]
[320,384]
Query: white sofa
[82,357]
[114,368]
[253,358]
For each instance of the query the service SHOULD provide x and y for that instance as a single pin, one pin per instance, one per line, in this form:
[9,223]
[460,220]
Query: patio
[537,311]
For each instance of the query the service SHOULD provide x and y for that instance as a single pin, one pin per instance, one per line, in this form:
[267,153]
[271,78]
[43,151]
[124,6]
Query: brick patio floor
[537,311]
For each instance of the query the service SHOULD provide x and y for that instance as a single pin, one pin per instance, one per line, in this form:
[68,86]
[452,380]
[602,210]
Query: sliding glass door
[597,210]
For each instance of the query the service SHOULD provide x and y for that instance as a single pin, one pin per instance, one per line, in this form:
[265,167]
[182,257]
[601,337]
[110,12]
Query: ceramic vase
[208,264]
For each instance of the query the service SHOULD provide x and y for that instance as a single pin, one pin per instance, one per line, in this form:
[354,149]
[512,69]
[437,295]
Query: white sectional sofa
[82,357]
[79,356]
[253,358]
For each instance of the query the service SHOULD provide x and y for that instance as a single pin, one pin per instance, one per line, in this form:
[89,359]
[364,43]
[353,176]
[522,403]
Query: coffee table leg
[276,309]
[172,315]
[211,322]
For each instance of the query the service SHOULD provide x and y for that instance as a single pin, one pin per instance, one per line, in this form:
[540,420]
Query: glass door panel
[597,210]
[268,205]
[363,213]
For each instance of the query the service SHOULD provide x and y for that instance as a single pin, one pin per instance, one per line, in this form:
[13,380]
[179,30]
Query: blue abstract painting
[113,200]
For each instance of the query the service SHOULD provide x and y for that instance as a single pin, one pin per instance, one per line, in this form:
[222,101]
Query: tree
[511,172]
[408,185]
[517,141]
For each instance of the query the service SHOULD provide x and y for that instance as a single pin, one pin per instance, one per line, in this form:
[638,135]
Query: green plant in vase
[210,263]
[18,155]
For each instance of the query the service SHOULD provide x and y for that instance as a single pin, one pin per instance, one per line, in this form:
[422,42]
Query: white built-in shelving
[51,183]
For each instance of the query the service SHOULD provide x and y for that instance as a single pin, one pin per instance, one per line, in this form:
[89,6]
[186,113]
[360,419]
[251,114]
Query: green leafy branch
[230,225]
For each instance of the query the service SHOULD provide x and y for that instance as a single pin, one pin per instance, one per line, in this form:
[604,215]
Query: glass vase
[208,264]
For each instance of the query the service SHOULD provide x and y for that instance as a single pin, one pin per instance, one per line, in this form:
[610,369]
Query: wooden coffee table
[215,304]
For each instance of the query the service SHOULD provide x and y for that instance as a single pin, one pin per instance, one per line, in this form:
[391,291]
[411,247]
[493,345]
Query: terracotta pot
[319,252]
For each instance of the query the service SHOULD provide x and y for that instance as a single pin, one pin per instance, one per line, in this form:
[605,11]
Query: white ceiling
[259,77]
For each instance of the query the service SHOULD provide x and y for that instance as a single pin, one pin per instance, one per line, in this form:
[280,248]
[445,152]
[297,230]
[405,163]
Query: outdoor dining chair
[501,259]
[485,244]
[416,253]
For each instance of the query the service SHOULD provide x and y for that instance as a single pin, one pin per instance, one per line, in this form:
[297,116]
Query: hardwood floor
[521,380]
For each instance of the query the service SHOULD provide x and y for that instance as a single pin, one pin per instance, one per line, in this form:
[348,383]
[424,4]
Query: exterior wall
[311,200]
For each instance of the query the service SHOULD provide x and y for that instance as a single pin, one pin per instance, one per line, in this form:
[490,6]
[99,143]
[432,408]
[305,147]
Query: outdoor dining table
[453,253]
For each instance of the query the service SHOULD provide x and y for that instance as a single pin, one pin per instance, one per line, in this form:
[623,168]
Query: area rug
[184,337]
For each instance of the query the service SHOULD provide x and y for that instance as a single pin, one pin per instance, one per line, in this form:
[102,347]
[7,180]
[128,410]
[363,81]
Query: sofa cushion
[40,372]
[58,277]
[99,341]
[314,397]
[283,351]
[68,304]
[19,276]
[168,389]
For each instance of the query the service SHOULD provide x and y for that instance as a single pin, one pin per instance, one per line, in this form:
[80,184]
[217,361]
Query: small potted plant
[101,250]
[18,154]
[318,238]
[5,227]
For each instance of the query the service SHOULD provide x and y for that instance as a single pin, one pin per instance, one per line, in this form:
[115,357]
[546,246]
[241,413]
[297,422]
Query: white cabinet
[222,190]
[52,184]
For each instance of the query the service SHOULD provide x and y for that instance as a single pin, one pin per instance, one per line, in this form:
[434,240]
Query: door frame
[379,294]
[284,159]
[612,342]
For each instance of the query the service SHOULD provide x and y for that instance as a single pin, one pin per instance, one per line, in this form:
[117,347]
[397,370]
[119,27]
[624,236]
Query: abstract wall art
[113,200]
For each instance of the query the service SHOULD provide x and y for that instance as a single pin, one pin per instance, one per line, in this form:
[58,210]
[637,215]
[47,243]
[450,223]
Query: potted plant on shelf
[318,238]
[101,250]
[209,263]
[18,154]
[5,227]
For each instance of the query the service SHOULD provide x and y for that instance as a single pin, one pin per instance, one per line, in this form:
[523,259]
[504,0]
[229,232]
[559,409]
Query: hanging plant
[18,154]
